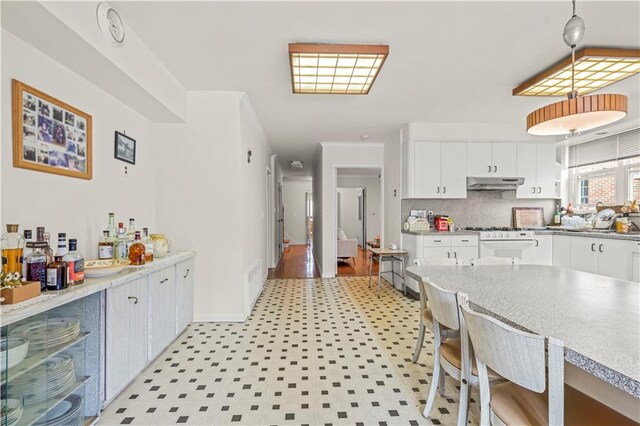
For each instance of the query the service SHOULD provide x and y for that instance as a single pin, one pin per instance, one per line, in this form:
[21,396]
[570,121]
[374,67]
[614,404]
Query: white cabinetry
[162,310]
[437,171]
[184,294]
[542,253]
[609,257]
[491,159]
[536,163]
[562,251]
[126,334]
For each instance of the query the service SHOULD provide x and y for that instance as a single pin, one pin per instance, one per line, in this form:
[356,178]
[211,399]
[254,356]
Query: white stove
[507,242]
[502,235]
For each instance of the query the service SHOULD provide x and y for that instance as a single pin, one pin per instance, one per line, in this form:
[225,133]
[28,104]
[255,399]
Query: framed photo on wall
[125,148]
[49,135]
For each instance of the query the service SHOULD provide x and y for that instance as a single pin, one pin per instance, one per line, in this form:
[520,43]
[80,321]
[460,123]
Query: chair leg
[441,390]
[370,268]
[463,410]
[419,343]
[434,384]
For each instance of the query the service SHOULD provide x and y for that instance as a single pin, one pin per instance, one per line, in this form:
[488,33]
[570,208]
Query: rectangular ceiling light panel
[595,68]
[344,69]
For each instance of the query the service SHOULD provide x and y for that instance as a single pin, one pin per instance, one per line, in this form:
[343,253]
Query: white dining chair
[452,356]
[528,397]
[494,261]
[426,319]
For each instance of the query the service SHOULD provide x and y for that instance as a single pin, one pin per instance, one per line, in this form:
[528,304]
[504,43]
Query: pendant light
[577,113]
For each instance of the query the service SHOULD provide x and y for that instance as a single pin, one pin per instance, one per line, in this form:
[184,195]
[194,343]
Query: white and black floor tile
[314,351]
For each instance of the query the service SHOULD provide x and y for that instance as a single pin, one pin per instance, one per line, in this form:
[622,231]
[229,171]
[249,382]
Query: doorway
[358,218]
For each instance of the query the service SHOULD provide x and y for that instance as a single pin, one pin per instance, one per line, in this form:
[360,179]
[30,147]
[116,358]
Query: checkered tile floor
[316,352]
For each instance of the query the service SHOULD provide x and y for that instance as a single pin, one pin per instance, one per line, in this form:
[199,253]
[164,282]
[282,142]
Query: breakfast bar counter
[597,318]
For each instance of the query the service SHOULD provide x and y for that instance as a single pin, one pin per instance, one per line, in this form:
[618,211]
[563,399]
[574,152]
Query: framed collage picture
[49,135]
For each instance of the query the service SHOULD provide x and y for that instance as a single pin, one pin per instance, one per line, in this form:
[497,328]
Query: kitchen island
[597,318]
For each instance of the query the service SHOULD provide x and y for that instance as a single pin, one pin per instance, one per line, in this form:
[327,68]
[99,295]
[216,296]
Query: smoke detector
[296,164]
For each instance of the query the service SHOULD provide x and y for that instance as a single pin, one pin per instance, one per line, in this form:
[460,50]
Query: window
[584,191]
[634,183]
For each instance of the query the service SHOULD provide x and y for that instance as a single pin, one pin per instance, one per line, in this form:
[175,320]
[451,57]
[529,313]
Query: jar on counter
[160,245]
[622,225]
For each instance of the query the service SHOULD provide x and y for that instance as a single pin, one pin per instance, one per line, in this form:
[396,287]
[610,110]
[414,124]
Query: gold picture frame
[49,135]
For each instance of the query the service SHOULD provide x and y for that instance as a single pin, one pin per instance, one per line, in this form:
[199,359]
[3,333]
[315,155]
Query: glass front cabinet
[50,366]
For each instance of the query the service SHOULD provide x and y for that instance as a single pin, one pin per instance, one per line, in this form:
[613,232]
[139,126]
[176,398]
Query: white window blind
[614,147]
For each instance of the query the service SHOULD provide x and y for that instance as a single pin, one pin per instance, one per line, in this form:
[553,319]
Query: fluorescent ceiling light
[345,69]
[595,68]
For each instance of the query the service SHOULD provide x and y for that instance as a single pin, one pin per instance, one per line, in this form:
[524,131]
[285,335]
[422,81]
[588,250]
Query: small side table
[387,255]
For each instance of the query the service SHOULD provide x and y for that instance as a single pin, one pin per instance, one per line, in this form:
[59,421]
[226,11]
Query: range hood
[493,183]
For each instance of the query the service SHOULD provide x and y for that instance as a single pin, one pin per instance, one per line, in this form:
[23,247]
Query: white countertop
[51,299]
[597,318]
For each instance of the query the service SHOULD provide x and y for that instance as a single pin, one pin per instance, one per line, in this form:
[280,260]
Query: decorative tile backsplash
[480,208]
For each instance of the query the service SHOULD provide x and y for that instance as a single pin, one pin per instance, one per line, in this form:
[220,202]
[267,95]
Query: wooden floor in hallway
[297,262]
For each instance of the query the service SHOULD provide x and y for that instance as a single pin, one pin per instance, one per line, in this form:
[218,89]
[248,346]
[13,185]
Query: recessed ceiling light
[595,68]
[345,69]
[296,164]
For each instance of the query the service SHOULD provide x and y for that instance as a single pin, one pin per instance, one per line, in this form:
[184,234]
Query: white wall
[294,200]
[348,211]
[372,185]
[318,217]
[340,155]
[63,204]
[392,193]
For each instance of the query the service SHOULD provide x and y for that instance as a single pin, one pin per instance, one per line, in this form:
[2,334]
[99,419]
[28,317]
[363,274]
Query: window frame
[622,172]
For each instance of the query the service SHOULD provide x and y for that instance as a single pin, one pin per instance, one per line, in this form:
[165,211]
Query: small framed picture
[125,148]
[49,135]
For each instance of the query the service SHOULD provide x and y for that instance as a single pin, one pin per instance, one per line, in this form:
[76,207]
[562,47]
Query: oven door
[521,249]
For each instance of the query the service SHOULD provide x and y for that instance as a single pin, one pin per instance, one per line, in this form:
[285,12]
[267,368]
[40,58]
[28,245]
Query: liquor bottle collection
[35,260]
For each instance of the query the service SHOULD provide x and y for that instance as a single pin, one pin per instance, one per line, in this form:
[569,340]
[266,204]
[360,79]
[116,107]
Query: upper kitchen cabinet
[485,159]
[536,163]
[436,170]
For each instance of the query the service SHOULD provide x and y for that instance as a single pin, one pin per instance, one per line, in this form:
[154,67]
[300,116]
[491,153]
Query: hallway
[297,262]
[314,352]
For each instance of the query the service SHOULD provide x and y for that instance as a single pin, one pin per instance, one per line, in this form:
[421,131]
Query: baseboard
[220,318]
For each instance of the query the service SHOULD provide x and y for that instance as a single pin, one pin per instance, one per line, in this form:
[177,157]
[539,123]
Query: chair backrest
[517,356]
[494,261]
[444,306]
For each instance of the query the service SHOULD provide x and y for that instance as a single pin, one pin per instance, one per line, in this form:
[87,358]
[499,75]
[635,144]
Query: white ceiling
[449,61]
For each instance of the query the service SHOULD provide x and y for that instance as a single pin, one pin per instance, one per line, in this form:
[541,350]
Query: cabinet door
[543,252]
[584,254]
[437,251]
[126,334]
[546,171]
[453,157]
[615,258]
[184,294]
[479,159]
[162,310]
[526,168]
[504,159]
[427,170]
[561,251]
[465,253]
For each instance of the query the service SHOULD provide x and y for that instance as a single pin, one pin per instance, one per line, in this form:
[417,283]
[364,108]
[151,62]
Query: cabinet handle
[455,254]
[495,169]
[465,241]
[600,248]
[437,241]
[593,247]
[187,274]
[539,190]
[533,190]
[438,190]
[489,169]
[135,299]
[537,243]
[164,281]
[444,189]
[448,255]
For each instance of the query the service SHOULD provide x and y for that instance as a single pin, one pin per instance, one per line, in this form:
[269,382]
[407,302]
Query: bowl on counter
[104,267]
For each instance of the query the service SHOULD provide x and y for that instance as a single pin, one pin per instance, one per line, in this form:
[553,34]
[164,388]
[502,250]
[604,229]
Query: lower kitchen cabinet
[603,256]
[126,334]
[561,251]
[184,294]
[543,250]
[162,310]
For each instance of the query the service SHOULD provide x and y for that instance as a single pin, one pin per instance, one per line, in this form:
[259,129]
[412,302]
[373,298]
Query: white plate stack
[52,378]
[13,350]
[67,413]
[48,333]
[12,409]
